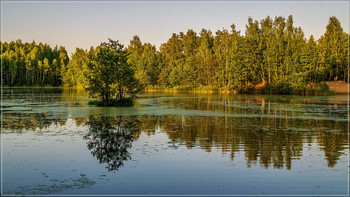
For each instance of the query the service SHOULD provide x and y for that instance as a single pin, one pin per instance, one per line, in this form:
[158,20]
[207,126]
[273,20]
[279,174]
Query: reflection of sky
[35,161]
[85,24]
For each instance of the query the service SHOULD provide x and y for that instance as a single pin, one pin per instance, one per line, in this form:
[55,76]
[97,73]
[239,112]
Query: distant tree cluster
[32,64]
[272,52]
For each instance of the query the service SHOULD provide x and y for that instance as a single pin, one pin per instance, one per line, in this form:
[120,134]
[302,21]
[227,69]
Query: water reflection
[269,142]
[270,131]
[19,122]
[110,138]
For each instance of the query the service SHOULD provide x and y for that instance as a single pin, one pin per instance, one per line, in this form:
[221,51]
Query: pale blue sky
[84,24]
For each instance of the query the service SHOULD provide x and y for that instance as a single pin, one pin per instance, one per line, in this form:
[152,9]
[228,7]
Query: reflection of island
[110,138]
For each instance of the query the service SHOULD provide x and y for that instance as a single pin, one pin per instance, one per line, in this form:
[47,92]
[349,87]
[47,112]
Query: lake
[53,143]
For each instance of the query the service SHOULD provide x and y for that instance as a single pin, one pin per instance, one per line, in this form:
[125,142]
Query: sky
[88,23]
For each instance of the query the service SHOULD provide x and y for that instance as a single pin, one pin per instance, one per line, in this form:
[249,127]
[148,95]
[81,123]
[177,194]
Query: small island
[110,76]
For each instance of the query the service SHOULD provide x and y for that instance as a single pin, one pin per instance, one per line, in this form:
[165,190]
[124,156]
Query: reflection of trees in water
[33,95]
[110,138]
[273,138]
[43,95]
[268,141]
[81,121]
[332,142]
[32,121]
[31,98]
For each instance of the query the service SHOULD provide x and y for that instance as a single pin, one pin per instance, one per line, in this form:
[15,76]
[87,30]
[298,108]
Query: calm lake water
[54,143]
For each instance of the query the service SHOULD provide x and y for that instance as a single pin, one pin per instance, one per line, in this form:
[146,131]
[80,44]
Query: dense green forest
[271,52]
[32,64]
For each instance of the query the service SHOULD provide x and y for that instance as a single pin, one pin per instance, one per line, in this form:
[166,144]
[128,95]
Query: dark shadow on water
[110,138]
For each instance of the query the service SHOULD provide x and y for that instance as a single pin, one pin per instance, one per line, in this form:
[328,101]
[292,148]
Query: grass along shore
[319,89]
[328,88]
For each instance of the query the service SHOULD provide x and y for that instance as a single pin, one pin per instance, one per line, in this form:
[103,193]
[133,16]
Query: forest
[271,53]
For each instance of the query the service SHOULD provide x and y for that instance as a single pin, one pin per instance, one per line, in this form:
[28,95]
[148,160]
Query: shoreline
[330,93]
[189,91]
[335,88]
[43,87]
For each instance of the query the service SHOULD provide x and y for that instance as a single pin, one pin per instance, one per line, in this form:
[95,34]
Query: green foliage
[272,54]
[145,60]
[280,88]
[74,75]
[333,51]
[31,64]
[109,74]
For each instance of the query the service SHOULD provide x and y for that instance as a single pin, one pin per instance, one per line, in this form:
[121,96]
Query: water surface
[54,143]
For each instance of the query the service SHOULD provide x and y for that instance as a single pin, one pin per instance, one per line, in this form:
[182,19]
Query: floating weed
[57,186]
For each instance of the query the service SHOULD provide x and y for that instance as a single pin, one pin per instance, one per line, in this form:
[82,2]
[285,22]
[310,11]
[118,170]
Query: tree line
[271,52]
[31,64]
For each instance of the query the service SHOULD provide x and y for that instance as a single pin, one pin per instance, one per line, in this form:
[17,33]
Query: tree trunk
[40,76]
[120,94]
[26,76]
[330,74]
[42,83]
[107,97]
